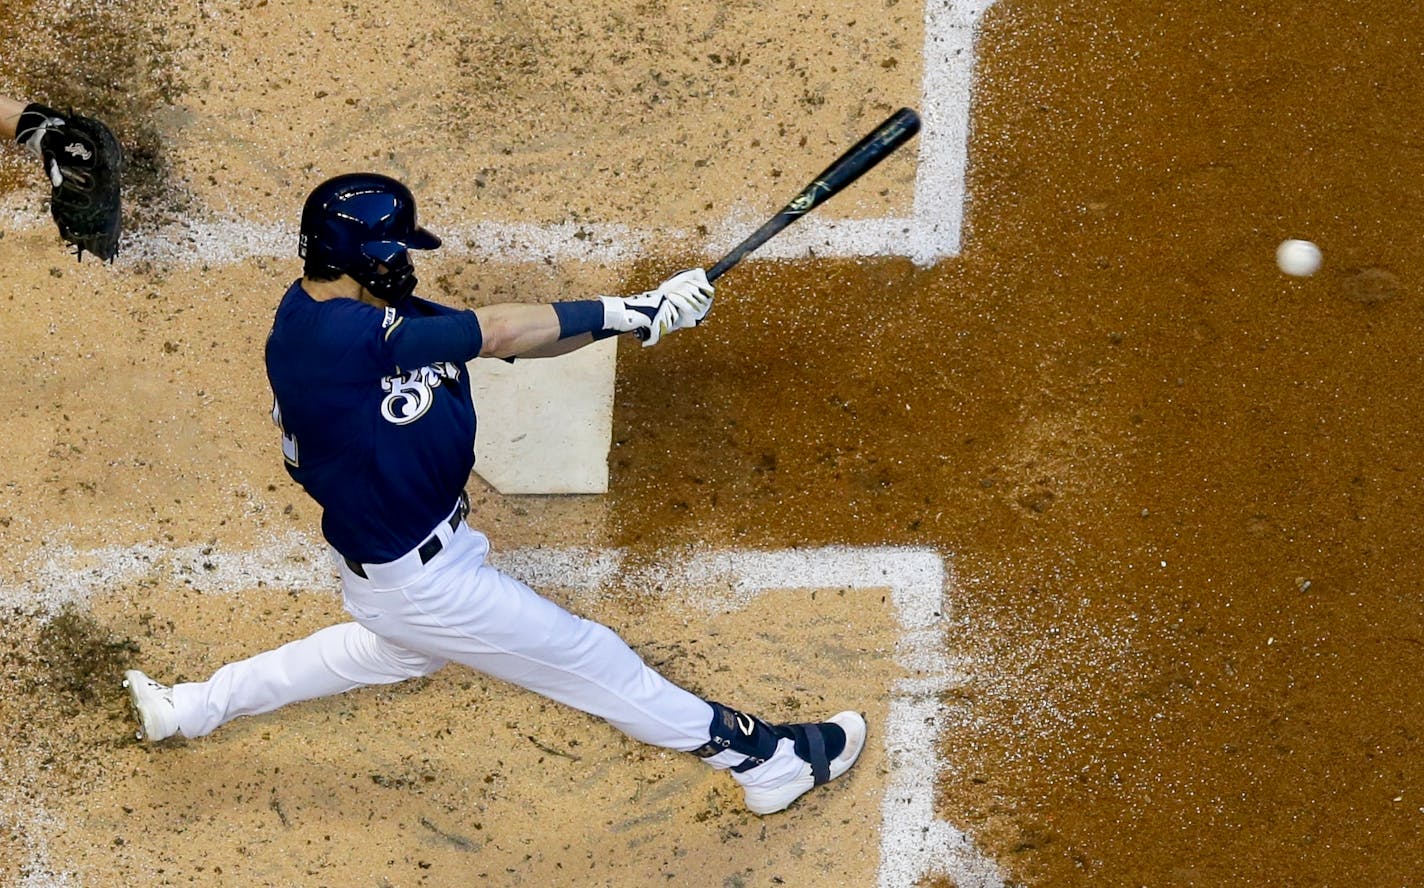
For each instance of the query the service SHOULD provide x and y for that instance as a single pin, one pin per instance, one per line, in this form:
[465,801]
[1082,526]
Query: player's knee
[413,663]
[427,664]
[393,659]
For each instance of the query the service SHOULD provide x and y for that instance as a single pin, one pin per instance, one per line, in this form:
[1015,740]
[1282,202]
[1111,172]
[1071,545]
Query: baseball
[1300,258]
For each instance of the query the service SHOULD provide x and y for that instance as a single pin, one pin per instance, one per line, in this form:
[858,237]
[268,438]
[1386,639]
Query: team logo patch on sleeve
[391,321]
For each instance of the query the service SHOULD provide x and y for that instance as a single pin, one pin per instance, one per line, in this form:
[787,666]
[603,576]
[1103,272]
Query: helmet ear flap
[319,264]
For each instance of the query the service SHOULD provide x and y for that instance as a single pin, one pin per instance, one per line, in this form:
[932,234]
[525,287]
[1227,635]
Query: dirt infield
[1175,491]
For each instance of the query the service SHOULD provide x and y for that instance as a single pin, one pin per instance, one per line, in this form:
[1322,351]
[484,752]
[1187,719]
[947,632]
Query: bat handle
[723,266]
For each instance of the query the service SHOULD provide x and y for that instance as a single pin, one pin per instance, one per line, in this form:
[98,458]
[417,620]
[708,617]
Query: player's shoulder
[298,302]
[419,307]
[324,326]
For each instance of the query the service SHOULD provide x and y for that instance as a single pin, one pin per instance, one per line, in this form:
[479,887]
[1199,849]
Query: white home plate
[545,425]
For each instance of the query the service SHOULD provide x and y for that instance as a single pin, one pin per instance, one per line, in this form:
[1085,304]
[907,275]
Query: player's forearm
[513,329]
[562,347]
[527,333]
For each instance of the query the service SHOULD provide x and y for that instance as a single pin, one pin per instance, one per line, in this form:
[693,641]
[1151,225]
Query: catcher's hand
[84,161]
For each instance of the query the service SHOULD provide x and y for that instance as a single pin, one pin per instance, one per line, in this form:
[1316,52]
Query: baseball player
[83,160]
[372,397]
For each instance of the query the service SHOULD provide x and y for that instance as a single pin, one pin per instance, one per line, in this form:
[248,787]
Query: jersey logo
[411,394]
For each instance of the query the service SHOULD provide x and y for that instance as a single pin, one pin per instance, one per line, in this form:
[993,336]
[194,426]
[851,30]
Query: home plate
[545,425]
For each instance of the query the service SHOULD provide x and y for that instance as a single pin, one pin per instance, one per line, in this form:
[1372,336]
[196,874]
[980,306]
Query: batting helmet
[363,225]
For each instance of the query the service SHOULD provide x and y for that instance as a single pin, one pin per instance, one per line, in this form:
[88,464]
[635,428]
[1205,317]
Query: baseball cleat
[809,745]
[152,703]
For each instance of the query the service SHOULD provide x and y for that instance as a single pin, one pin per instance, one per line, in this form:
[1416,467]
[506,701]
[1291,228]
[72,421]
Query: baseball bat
[859,159]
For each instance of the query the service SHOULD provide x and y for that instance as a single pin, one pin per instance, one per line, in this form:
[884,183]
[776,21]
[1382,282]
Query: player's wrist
[618,317]
[615,314]
[580,316]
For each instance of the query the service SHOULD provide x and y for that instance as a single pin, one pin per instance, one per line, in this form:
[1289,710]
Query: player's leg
[329,661]
[465,611]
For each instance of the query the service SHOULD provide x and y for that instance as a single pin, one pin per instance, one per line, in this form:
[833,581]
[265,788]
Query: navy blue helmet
[363,225]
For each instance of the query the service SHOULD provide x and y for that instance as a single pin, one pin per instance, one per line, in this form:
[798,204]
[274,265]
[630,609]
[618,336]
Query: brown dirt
[1177,487]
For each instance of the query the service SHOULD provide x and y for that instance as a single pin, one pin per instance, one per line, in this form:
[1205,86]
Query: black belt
[431,547]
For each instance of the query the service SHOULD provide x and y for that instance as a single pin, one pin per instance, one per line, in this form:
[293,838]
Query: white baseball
[1300,258]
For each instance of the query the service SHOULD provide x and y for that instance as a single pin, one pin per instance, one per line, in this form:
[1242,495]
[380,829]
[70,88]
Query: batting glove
[682,300]
[691,293]
[648,314]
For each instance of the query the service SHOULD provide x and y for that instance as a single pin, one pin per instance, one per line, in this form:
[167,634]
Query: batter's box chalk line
[914,845]
[930,232]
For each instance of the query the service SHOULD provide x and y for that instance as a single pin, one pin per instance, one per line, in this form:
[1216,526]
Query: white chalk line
[914,844]
[931,232]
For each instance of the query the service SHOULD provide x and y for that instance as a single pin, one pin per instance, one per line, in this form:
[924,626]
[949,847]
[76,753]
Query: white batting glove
[682,300]
[691,293]
[651,313]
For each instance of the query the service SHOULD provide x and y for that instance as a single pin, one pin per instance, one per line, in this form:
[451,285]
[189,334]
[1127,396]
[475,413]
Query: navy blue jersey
[377,420]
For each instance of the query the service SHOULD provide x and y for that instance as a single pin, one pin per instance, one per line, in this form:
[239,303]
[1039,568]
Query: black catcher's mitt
[83,160]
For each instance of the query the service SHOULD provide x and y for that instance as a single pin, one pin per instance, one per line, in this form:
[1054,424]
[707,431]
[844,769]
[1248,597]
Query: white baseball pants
[412,618]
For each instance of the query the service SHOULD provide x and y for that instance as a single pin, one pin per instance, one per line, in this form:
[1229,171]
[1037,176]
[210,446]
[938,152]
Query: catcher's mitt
[83,160]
